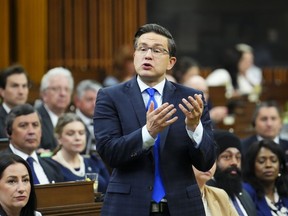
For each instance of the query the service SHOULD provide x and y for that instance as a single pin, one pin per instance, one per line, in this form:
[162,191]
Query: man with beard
[228,172]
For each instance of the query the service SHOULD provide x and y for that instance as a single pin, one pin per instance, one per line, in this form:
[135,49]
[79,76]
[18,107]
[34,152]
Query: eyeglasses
[156,51]
[59,89]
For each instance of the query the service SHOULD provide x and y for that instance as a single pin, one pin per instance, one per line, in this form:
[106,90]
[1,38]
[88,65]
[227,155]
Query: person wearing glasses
[150,131]
[56,90]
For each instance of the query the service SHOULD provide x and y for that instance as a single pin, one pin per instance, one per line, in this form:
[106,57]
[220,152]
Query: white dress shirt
[37,166]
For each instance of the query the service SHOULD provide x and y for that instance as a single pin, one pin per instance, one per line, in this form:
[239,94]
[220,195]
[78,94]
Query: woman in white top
[238,72]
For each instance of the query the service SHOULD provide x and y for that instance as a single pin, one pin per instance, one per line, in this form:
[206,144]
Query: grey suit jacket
[119,117]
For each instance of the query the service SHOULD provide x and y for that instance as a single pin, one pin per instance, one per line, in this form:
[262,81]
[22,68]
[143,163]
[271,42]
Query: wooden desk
[67,198]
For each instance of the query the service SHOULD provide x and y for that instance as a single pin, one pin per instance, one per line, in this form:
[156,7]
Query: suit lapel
[136,100]
[168,96]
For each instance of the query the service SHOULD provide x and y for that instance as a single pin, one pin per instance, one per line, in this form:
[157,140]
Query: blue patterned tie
[158,189]
[30,161]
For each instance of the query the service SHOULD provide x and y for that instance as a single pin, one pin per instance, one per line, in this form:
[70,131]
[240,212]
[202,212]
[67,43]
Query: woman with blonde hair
[71,136]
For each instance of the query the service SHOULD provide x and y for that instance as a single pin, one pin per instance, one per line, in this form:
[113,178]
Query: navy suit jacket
[249,140]
[261,205]
[3,115]
[48,141]
[51,169]
[119,117]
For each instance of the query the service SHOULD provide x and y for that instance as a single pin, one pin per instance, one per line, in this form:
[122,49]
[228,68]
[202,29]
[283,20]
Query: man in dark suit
[84,100]
[24,131]
[228,172]
[135,139]
[268,124]
[14,90]
[56,90]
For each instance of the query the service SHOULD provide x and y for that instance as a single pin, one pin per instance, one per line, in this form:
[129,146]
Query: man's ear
[172,62]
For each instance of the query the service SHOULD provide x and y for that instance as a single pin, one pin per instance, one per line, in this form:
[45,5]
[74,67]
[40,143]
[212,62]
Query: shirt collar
[6,107]
[53,116]
[276,139]
[22,154]
[85,119]
[159,87]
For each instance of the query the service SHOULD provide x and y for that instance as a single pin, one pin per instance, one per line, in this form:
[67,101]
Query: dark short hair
[264,104]
[5,161]
[249,167]
[11,70]
[147,28]
[23,109]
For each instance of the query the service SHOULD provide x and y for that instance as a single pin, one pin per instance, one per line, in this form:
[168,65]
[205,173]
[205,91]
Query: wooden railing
[67,198]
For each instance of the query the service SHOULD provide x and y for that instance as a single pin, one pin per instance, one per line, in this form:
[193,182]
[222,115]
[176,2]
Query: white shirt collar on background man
[6,107]
[53,116]
[37,166]
[276,139]
[84,118]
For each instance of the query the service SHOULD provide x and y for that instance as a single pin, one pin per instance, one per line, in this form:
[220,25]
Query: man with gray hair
[55,90]
[84,100]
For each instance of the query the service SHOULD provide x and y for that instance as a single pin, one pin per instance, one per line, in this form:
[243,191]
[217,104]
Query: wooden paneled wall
[84,34]
[4,33]
[81,35]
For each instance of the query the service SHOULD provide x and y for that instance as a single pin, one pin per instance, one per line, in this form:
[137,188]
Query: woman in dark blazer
[265,178]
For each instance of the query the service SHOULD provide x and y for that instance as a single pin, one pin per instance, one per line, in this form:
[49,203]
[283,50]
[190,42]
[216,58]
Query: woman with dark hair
[237,72]
[185,68]
[17,193]
[265,177]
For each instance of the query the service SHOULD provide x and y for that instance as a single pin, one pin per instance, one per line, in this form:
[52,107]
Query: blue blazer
[119,117]
[261,205]
[93,164]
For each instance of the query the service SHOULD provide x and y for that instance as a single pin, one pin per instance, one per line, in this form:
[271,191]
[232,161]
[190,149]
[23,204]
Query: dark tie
[237,207]
[158,189]
[30,161]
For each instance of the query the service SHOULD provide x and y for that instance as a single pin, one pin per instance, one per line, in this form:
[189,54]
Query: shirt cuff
[148,140]
[196,136]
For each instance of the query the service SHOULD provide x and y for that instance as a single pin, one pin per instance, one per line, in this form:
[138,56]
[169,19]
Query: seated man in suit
[56,91]
[24,131]
[84,100]
[228,172]
[268,124]
[14,90]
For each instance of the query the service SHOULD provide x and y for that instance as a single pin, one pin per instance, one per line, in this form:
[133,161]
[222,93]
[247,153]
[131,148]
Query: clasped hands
[161,117]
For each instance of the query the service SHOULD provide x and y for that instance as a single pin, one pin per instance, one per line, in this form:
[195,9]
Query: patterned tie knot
[151,91]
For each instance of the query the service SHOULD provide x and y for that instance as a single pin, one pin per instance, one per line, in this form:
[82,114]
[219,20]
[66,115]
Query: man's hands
[160,118]
[193,111]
